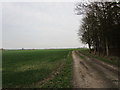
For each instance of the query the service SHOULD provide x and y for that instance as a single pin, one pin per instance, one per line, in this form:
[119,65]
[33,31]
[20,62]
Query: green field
[27,68]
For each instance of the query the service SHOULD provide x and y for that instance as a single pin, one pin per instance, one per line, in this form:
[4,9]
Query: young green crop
[22,68]
[64,79]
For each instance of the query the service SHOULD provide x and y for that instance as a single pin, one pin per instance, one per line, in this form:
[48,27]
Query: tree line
[100,27]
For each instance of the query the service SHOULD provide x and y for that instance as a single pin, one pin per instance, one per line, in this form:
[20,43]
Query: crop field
[36,68]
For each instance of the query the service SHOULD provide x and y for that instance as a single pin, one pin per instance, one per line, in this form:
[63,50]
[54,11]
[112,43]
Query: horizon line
[45,48]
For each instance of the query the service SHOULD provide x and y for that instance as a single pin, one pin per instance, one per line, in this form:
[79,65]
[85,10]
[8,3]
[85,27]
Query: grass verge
[115,62]
[64,78]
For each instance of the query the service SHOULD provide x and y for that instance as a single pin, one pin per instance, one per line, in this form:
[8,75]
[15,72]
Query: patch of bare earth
[88,74]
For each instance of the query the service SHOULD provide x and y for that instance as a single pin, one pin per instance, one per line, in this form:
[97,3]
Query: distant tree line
[100,27]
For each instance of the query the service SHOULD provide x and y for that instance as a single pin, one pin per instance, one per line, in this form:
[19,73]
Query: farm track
[88,74]
[113,68]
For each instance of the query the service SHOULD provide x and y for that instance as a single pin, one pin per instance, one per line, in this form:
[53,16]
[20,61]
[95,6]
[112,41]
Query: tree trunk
[89,45]
[95,49]
[99,50]
[107,48]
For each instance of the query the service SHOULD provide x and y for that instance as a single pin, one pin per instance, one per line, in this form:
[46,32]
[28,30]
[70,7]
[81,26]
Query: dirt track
[88,74]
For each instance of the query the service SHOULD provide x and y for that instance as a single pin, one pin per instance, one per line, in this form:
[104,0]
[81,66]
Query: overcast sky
[40,25]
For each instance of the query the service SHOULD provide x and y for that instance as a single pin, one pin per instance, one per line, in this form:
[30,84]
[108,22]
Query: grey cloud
[40,25]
